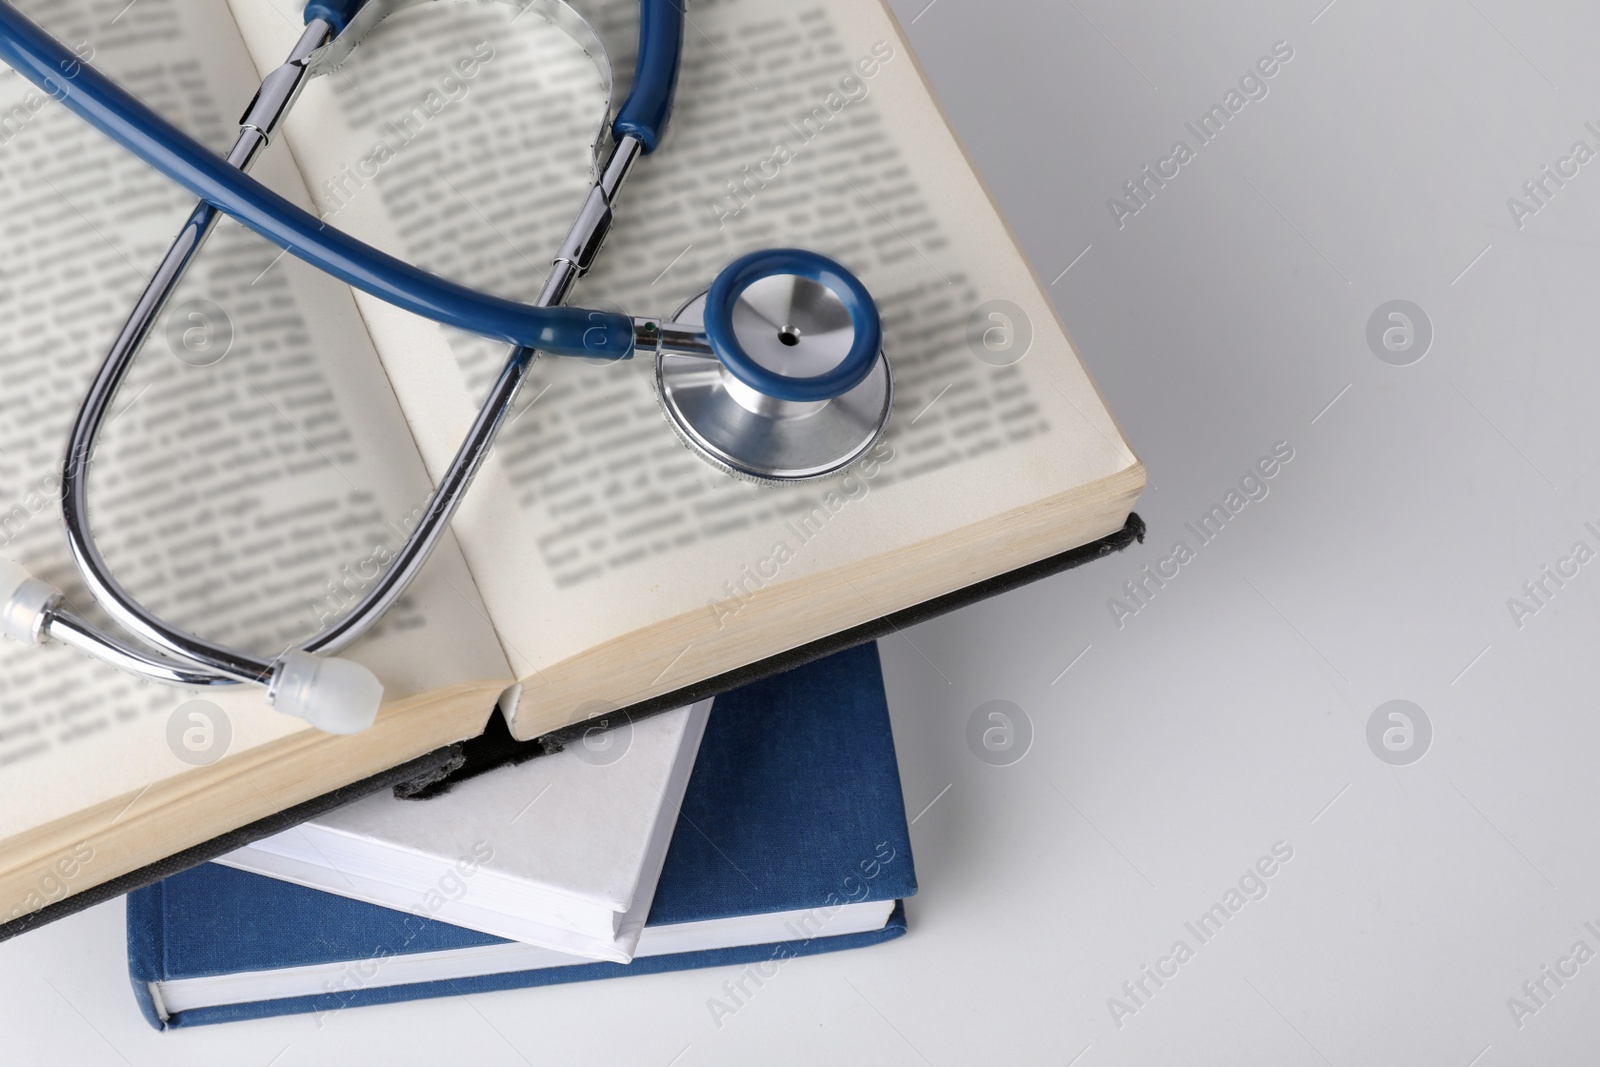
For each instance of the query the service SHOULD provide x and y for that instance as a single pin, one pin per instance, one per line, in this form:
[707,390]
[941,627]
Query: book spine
[146,936]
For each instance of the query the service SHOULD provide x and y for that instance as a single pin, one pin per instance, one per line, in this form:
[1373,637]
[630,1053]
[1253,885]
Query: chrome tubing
[74,632]
[475,448]
[577,253]
[277,93]
[211,664]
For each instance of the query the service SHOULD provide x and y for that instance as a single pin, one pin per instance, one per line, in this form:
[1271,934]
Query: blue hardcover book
[791,841]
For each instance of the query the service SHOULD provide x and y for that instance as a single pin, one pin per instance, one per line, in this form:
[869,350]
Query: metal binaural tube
[70,630]
[263,115]
[475,447]
[214,664]
[541,325]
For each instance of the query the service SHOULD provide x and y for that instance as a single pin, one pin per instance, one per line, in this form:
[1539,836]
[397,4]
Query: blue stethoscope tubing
[565,331]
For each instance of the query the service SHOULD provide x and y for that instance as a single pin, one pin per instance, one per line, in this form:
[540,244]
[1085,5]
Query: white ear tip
[339,696]
[23,599]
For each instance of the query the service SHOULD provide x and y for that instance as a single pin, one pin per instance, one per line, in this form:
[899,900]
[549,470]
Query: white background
[1231,712]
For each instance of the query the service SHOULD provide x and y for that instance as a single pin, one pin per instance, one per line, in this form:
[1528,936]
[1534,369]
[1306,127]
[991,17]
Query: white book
[561,852]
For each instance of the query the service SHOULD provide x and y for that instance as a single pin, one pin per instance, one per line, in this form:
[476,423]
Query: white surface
[249,986]
[562,852]
[1232,712]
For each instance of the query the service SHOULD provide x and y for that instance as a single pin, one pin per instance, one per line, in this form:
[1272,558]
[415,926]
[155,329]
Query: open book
[279,436]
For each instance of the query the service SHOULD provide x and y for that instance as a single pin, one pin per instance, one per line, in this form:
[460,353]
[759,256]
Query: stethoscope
[775,374]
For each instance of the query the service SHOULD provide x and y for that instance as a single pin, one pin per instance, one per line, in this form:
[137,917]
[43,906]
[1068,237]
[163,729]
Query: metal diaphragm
[790,325]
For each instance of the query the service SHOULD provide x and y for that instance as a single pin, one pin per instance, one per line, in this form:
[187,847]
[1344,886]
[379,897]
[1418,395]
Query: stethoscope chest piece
[759,406]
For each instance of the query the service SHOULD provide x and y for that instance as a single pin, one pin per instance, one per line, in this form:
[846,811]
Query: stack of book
[778,833]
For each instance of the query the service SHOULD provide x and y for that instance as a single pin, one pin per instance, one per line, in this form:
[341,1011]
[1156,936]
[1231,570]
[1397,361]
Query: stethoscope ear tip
[24,600]
[337,696]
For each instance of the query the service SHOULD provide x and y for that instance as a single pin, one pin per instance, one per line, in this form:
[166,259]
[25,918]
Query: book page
[256,463]
[796,124]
